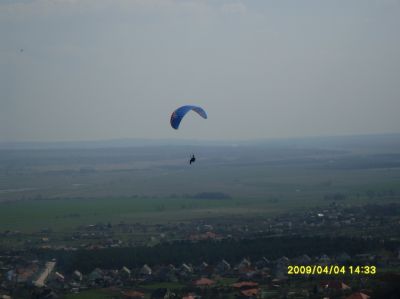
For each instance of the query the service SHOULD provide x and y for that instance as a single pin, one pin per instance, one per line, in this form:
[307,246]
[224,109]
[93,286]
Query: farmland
[64,188]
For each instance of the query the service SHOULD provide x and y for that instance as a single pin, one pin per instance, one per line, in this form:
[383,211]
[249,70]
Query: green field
[30,216]
[61,189]
[98,294]
[68,214]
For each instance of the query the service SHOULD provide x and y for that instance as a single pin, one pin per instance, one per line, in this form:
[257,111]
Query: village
[27,274]
[246,279]
[262,278]
[367,221]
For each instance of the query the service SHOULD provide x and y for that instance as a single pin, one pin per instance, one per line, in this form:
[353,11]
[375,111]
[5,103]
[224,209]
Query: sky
[111,69]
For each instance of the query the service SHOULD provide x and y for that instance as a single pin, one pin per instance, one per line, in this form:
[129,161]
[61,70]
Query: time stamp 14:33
[331,270]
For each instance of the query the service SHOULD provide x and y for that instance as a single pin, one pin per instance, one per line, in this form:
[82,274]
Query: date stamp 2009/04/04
[331,270]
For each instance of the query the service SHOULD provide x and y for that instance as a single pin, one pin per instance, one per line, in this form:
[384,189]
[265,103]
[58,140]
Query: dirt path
[46,272]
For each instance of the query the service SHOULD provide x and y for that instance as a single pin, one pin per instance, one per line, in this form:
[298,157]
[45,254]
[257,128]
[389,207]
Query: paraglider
[178,115]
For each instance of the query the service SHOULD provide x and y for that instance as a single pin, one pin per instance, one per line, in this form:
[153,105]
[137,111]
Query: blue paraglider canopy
[179,113]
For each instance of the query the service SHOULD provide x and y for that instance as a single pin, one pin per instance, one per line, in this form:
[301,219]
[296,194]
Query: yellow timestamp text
[331,270]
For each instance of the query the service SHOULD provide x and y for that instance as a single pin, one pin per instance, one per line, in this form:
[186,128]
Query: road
[43,276]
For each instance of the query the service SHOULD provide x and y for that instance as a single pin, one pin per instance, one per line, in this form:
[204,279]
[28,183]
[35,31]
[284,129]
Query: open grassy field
[65,214]
[89,294]
[68,214]
[64,188]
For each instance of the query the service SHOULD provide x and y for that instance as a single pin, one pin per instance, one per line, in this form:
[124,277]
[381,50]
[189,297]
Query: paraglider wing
[179,113]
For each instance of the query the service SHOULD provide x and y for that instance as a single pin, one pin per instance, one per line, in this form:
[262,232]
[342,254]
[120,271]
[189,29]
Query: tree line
[212,252]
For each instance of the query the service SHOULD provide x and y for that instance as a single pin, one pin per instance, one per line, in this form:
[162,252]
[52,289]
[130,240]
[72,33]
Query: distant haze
[109,69]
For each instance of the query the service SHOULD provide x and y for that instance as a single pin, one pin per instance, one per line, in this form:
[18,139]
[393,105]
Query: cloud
[25,8]
[388,2]
[234,8]
[22,9]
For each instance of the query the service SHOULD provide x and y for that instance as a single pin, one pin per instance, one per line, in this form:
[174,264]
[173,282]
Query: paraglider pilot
[178,114]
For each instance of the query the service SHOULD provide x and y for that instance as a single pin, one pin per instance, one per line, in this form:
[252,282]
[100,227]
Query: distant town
[58,266]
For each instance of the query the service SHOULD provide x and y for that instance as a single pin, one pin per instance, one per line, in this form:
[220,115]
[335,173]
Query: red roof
[250,292]
[133,294]
[204,282]
[204,236]
[358,296]
[243,284]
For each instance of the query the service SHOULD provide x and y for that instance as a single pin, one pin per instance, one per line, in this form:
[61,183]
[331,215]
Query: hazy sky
[106,69]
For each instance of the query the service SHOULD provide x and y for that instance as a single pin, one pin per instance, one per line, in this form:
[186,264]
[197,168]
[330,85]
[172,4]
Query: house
[185,270]
[262,263]
[133,295]
[324,260]
[358,296]
[204,236]
[244,264]
[244,285]
[166,273]
[246,289]
[77,276]
[204,282]
[302,260]
[59,276]
[250,274]
[145,271]
[249,293]
[191,296]
[125,273]
[96,276]
[203,267]
[283,261]
[223,267]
